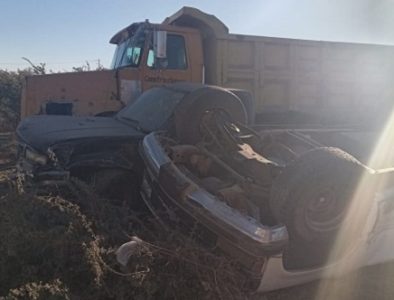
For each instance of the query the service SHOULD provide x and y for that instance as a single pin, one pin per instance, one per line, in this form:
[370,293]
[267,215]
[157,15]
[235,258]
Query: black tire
[311,197]
[188,119]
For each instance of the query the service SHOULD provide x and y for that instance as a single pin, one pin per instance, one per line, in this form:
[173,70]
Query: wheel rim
[324,212]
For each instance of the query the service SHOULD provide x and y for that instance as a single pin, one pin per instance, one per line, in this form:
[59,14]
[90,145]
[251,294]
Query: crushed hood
[41,132]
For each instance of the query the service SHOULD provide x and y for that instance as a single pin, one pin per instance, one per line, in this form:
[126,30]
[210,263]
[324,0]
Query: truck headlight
[36,157]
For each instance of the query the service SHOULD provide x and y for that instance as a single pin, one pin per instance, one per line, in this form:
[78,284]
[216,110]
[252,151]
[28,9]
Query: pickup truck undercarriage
[260,195]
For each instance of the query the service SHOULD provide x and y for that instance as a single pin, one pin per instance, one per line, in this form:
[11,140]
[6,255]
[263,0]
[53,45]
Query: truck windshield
[152,109]
[129,52]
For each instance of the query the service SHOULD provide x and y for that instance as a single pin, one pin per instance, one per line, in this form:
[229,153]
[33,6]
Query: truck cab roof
[185,19]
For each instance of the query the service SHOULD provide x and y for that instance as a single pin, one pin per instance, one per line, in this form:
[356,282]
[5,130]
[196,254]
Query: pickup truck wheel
[188,121]
[311,197]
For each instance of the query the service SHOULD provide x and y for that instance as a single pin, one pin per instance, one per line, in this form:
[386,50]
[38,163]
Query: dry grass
[61,245]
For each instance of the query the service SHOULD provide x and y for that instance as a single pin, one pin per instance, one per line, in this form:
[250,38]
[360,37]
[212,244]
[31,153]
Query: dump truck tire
[311,197]
[188,120]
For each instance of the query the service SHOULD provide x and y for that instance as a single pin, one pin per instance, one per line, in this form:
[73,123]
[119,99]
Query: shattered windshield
[129,52]
[152,109]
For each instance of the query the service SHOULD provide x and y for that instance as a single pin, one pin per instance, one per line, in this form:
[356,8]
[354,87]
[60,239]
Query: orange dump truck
[286,77]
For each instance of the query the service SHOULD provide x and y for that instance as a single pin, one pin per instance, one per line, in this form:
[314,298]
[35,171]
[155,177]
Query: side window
[176,54]
[151,58]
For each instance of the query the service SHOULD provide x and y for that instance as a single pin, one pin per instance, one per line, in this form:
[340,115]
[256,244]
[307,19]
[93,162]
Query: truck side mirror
[160,44]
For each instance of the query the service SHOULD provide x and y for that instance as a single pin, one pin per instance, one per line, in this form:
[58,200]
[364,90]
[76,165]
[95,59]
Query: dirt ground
[61,245]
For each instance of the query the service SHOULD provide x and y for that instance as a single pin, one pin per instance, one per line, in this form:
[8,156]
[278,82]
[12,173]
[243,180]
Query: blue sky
[66,33]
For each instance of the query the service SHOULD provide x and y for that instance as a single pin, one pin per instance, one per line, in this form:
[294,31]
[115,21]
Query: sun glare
[350,248]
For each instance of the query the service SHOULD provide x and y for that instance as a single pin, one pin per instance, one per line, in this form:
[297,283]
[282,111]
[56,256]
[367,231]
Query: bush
[45,238]
[10,95]
[53,248]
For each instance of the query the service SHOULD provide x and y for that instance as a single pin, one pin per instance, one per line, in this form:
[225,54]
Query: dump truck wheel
[311,197]
[188,119]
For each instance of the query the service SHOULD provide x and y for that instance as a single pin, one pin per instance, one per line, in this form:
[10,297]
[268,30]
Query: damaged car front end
[50,152]
[169,188]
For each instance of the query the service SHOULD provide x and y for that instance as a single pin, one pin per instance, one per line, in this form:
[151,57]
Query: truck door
[176,66]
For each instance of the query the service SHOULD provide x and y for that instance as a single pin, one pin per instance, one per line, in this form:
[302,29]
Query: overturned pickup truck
[289,205]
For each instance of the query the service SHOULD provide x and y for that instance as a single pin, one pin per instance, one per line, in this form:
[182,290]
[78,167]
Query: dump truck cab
[182,48]
[136,67]
[148,54]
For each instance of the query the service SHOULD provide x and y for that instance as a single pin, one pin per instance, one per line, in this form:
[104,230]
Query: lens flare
[350,249]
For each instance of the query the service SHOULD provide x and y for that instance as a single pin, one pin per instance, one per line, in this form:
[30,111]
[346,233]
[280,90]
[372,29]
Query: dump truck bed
[320,78]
